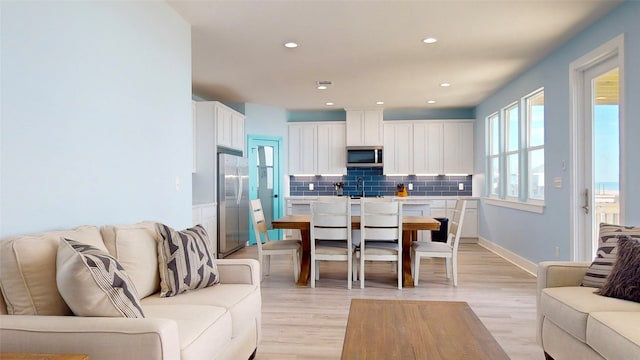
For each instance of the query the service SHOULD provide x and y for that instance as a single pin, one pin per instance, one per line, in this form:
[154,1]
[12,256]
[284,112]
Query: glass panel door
[264,178]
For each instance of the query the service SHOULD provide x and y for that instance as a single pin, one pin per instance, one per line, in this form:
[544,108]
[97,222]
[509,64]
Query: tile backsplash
[376,184]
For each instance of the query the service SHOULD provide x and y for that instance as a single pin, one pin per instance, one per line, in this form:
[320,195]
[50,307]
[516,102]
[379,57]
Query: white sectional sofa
[218,322]
[575,323]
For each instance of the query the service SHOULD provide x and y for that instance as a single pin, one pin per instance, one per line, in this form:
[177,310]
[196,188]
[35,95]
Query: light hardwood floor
[305,323]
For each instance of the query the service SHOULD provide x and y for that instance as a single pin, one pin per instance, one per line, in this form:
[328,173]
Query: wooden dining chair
[448,250]
[267,247]
[380,234]
[330,236]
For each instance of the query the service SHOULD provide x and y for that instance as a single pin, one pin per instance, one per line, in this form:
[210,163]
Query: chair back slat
[455,225]
[259,223]
[381,234]
[322,233]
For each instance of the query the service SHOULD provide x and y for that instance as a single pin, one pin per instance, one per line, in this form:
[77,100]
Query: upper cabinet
[229,127]
[215,125]
[317,148]
[458,147]
[364,127]
[428,147]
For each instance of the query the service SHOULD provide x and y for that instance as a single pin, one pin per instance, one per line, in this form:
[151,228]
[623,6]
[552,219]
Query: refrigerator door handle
[239,194]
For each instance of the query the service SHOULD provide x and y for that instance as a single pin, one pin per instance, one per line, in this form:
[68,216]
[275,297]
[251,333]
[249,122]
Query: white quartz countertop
[400,198]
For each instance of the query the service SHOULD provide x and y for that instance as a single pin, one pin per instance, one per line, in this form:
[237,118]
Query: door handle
[275,196]
[585,205]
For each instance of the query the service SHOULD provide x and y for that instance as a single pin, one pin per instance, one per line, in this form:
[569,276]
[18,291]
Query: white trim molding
[537,208]
[613,48]
[515,259]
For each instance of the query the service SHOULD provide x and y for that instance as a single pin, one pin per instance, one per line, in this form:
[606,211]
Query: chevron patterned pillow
[184,260]
[93,283]
[605,258]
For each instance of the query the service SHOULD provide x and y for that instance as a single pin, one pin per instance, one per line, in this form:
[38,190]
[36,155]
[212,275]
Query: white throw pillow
[93,283]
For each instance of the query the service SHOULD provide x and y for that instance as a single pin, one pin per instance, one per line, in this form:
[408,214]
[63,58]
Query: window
[535,145]
[515,151]
[494,154]
[511,150]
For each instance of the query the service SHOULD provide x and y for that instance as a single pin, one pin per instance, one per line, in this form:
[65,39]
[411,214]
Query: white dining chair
[447,250]
[267,247]
[330,236]
[380,234]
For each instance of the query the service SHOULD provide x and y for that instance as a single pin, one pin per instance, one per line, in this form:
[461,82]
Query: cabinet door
[354,123]
[372,128]
[223,126]
[331,150]
[458,147]
[427,148]
[398,149]
[364,127]
[302,147]
[237,131]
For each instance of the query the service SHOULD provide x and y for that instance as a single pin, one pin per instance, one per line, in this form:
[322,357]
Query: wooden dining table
[410,227]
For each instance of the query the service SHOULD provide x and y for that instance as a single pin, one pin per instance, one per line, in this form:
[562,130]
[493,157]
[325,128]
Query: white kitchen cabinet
[458,147]
[427,147]
[206,215]
[364,127]
[331,152]
[229,127]
[317,148]
[302,149]
[194,131]
[398,148]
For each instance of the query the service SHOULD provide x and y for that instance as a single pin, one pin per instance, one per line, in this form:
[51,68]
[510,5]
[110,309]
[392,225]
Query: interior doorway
[265,179]
[597,115]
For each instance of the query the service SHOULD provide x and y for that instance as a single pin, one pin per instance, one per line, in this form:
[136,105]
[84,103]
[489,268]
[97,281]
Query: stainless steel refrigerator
[233,201]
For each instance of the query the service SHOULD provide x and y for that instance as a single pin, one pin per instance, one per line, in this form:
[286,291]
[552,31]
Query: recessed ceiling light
[445,84]
[431,102]
[379,102]
[291,45]
[430,40]
[322,87]
[329,103]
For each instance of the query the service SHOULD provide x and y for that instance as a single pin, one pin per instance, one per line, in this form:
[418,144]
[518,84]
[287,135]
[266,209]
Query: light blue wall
[96,114]
[269,121]
[535,236]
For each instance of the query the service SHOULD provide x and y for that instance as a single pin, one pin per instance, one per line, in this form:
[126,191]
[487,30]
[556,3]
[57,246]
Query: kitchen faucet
[360,184]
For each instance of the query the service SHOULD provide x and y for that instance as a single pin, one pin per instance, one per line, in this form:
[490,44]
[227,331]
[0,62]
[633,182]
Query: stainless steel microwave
[364,156]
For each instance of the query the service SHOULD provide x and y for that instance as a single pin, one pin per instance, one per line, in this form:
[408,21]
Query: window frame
[523,150]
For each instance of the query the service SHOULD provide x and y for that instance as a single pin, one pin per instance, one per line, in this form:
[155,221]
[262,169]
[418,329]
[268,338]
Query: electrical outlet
[310,186]
[460,186]
[410,186]
[177,183]
[557,251]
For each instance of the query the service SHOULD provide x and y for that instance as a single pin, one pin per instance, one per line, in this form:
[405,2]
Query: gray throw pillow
[607,252]
[184,260]
[624,280]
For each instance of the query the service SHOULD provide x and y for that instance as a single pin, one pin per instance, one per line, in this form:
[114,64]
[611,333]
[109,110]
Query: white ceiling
[373,50]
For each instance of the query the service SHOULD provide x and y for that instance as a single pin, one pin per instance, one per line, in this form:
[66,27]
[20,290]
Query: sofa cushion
[607,251]
[136,248]
[624,280]
[243,302]
[614,335]
[93,283]
[205,331]
[569,307]
[184,260]
[28,270]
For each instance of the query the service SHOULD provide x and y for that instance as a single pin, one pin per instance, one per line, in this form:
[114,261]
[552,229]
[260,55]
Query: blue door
[265,179]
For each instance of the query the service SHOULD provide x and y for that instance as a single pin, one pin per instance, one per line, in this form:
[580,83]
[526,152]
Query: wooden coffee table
[397,329]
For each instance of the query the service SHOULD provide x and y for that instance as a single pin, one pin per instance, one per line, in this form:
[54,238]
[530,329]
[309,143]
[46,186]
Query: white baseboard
[515,259]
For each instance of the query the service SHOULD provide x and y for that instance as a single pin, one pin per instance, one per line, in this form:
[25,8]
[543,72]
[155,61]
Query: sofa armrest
[100,338]
[556,274]
[239,271]
[561,273]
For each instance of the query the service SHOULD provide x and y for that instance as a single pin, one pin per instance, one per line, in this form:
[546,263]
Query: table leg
[305,263]
[407,238]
